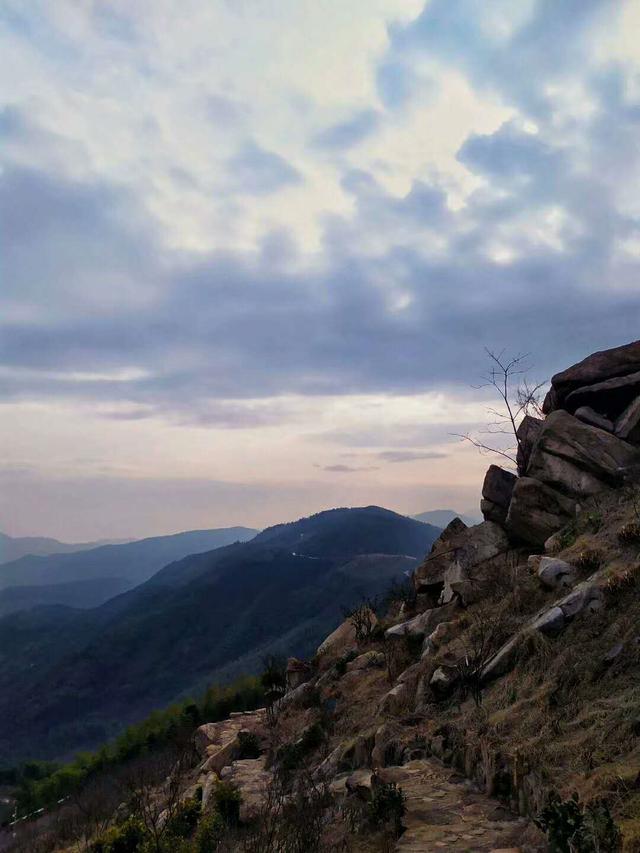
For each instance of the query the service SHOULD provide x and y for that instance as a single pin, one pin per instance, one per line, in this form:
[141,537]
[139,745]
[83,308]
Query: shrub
[248,745]
[227,799]
[185,819]
[340,666]
[594,521]
[598,831]
[128,837]
[413,645]
[560,820]
[629,534]
[387,805]
[312,738]
[291,755]
[619,583]
[567,536]
[589,560]
[209,834]
[572,829]
[274,678]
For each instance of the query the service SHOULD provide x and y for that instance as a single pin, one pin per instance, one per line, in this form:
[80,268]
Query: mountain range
[12,548]
[90,577]
[71,678]
[442,517]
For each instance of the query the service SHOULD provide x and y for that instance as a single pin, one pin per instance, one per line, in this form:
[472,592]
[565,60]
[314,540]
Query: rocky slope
[504,688]
[517,662]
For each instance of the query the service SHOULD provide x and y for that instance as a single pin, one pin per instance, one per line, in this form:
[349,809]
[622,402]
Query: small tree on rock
[517,396]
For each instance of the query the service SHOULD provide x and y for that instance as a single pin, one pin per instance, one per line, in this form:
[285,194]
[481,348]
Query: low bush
[128,837]
[570,828]
[629,534]
[184,821]
[387,806]
[227,799]
[210,831]
[589,560]
[248,745]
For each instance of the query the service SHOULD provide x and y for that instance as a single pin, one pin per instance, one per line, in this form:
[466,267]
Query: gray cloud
[346,134]
[408,455]
[256,171]
[348,469]
[91,287]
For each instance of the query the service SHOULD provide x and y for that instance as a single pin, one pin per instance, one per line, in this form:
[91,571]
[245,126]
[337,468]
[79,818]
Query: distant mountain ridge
[80,676]
[124,566]
[442,517]
[88,593]
[14,547]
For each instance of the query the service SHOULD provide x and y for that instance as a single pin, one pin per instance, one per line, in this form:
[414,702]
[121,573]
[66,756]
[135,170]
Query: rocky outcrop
[577,459]
[429,576]
[366,660]
[340,641]
[527,435]
[496,494]
[252,780]
[537,511]
[596,368]
[627,426]
[298,672]
[219,744]
[455,563]
[422,624]
[588,416]
[610,398]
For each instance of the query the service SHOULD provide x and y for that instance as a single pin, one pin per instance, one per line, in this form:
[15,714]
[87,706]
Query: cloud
[348,133]
[257,171]
[409,455]
[404,287]
[348,469]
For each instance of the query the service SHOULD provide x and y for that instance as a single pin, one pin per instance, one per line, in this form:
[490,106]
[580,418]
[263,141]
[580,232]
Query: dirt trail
[444,812]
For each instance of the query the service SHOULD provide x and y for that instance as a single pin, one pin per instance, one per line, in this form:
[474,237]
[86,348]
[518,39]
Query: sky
[251,251]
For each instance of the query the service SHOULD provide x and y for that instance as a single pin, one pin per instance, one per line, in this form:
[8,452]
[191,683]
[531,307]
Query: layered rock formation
[588,443]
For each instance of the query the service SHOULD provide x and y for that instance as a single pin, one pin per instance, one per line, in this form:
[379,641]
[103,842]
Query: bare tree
[507,376]
[93,805]
[292,817]
[155,785]
[484,637]
[363,619]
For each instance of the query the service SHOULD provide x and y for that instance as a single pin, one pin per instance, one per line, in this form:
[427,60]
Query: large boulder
[527,435]
[422,624]
[219,743]
[537,511]
[337,644]
[609,398]
[454,564]
[496,493]
[298,671]
[627,426]
[588,416]
[429,576]
[598,367]
[577,459]
[251,778]
[556,574]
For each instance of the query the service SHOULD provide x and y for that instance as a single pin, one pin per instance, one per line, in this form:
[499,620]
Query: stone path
[444,812]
